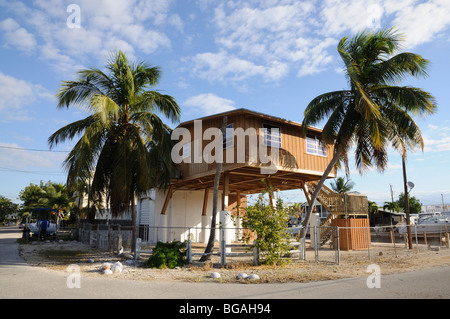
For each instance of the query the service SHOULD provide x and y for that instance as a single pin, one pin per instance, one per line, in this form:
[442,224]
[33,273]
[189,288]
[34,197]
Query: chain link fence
[322,244]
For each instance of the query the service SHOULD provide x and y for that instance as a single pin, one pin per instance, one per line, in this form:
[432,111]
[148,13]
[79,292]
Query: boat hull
[420,229]
[34,228]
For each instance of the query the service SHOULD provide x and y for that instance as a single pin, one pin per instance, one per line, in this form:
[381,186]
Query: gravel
[352,264]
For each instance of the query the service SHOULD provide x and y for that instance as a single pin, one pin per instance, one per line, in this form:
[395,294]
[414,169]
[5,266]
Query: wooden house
[254,147]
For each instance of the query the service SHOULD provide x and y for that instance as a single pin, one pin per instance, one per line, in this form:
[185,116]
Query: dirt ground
[56,256]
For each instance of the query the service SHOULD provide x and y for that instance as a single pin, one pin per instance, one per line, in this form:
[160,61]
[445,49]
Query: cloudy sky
[270,56]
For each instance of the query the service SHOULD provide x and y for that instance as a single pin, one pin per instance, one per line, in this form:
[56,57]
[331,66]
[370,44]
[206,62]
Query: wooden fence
[354,233]
[107,237]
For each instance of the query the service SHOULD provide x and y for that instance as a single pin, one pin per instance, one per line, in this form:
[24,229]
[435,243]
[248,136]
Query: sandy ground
[56,256]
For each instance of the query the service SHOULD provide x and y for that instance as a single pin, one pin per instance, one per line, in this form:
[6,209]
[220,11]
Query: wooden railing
[338,205]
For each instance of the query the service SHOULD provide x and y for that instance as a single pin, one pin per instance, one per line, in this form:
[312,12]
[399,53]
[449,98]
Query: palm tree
[391,206]
[342,186]
[124,146]
[56,197]
[372,207]
[374,111]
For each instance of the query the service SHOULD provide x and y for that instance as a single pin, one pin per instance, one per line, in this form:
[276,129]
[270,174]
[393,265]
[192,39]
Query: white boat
[428,223]
[39,215]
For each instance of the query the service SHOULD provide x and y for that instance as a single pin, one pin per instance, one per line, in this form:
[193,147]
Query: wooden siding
[354,233]
[292,154]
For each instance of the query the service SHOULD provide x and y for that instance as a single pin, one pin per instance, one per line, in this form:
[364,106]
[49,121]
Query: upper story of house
[253,145]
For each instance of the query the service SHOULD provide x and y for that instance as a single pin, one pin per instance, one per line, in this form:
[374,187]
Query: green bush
[167,255]
[270,225]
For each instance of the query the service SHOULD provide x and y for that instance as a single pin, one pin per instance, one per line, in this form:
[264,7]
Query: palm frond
[70,131]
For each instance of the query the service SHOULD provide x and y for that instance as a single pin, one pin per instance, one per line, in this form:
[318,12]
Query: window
[228,137]
[187,150]
[314,145]
[272,136]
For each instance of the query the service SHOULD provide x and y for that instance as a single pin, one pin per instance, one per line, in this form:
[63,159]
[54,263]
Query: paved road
[19,280]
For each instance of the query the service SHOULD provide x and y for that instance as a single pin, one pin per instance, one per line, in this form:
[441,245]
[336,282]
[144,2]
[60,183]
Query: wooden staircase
[338,205]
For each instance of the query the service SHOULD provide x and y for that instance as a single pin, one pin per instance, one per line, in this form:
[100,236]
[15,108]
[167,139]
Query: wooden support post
[166,202]
[238,202]
[205,201]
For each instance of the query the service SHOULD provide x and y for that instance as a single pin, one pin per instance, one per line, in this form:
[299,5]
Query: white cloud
[264,39]
[340,16]
[423,22]
[130,25]
[439,144]
[17,36]
[222,65]
[15,95]
[419,21]
[209,103]
[437,139]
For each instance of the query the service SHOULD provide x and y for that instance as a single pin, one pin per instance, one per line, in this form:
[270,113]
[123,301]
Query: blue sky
[268,56]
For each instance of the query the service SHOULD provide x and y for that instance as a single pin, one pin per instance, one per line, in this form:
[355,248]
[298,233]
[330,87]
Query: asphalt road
[21,281]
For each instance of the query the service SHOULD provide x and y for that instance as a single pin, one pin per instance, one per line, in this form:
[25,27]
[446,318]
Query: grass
[65,256]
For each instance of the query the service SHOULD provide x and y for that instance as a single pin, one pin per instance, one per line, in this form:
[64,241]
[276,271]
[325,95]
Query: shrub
[167,255]
[269,223]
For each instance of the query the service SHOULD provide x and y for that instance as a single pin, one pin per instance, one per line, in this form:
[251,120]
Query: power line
[32,149]
[7,169]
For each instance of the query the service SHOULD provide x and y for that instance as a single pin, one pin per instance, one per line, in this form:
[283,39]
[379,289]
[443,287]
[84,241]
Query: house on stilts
[254,147]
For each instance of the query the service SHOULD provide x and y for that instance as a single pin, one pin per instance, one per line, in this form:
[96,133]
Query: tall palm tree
[124,146]
[374,111]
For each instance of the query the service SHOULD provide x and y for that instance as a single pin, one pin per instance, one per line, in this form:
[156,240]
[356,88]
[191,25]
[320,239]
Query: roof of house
[250,112]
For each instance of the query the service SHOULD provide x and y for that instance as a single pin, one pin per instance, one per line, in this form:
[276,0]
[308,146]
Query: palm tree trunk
[133,225]
[315,194]
[212,235]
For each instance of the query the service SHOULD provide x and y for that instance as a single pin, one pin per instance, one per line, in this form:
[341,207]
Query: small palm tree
[342,185]
[124,147]
[56,197]
[374,111]
[372,207]
[391,206]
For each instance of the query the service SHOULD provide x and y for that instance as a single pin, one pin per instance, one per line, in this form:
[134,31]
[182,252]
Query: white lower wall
[183,212]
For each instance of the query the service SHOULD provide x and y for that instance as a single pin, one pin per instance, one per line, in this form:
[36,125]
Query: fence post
[98,244]
[368,241]
[138,248]
[223,251]
[119,240]
[301,248]
[338,250]
[189,251]
[89,234]
[316,244]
